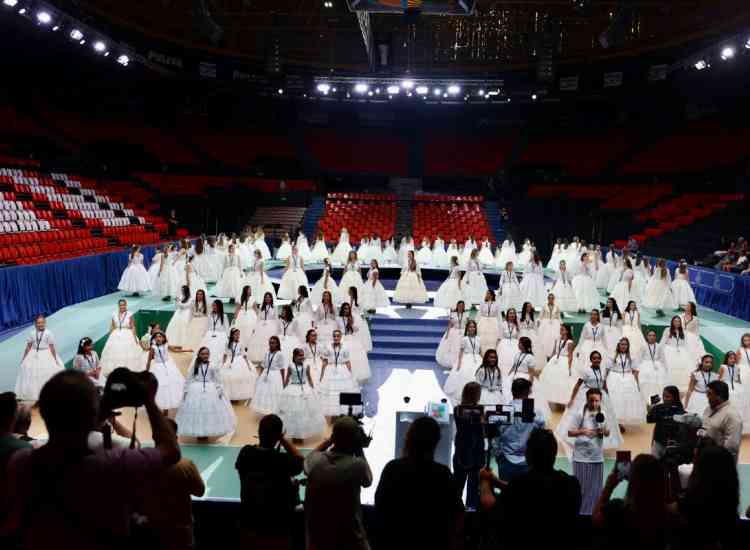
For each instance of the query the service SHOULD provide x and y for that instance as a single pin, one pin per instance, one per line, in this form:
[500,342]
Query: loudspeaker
[444,448]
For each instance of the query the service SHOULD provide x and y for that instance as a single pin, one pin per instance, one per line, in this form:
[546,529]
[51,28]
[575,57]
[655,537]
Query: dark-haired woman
[313,354]
[177,329]
[351,329]
[287,331]
[696,401]
[592,339]
[507,345]
[469,360]
[488,324]
[558,376]
[653,376]
[205,410]
[270,381]
[237,376]
[681,289]
[135,278]
[691,326]
[612,320]
[490,378]
[216,336]
[299,404]
[525,366]
[303,312]
[532,285]
[623,387]
[198,321]
[245,317]
[734,375]
[450,344]
[267,326]
[171,382]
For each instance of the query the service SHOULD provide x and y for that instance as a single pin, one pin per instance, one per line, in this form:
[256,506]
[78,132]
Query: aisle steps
[406,340]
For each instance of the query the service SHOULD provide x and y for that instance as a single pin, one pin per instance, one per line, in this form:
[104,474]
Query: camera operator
[64,492]
[335,477]
[468,455]
[666,429]
[721,420]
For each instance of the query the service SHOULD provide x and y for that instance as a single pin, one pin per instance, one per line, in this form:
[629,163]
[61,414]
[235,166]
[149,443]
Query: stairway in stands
[312,215]
[412,341]
[404,189]
[492,212]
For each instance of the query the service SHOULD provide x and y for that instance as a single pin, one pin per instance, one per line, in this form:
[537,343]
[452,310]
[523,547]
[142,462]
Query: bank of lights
[700,65]
[100,46]
[361,88]
[454,89]
[422,90]
[43,17]
[327,4]
[727,53]
[77,35]
[123,60]
[393,90]
[10,3]
[324,88]
[407,84]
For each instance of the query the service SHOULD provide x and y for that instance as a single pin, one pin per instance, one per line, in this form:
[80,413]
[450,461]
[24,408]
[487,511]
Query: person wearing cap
[336,472]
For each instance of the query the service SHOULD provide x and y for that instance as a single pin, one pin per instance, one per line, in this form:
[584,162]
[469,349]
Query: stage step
[387,321]
[403,354]
[407,331]
[406,342]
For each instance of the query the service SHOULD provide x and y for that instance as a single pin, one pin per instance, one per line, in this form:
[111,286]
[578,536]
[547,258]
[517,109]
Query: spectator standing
[23,424]
[662,416]
[721,420]
[9,443]
[336,472]
[78,496]
[468,453]
[406,484]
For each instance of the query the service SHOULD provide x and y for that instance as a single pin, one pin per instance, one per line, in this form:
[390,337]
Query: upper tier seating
[449,155]
[366,152]
[363,214]
[277,220]
[451,217]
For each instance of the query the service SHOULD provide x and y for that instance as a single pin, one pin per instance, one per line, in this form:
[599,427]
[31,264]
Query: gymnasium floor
[398,371]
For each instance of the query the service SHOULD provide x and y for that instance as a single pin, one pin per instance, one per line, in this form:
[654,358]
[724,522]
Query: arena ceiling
[499,34]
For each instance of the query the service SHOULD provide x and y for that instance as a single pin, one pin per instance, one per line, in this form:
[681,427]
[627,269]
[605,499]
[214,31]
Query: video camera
[125,388]
[681,430]
[352,400]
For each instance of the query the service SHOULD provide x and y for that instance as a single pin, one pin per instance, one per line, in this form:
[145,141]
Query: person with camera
[468,455]
[406,484]
[64,491]
[721,420]
[662,414]
[336,472]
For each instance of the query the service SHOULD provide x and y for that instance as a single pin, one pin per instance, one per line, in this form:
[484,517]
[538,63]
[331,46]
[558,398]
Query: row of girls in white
[370,293]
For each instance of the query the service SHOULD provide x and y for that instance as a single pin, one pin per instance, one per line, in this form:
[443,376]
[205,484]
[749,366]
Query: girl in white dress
[350,329]
[245,317]
[406,246]
[162,366]
[215,338]
[177,329]
[612,320]
[603,270]
[450,344]
[485,257]
[237,376]
[465,367]
[424,255]
[232,281]
[469,246]
[325,319]
[558,377]
[374,295]
[507,345]
[376,248]
[696,401]
[299,406]
[474,283]
[325,284]
[364,251]
[266,327]
[270,381]
[678,358]
[565,296]
[527,253]
[554,259]
[341,252]
[453,252]
[681,289]
[288,331]
[584,288]
[87,361]
[205,410]
[439,257]
[135,278]
[294,276]
[691,326]
[410,289]
[623,387]
[153,269]
[524,366]
[320,251]
[451,291]
[192,279]
[390,256]
[627,289]
[652,375]
[336,377]
[215,254]
[532,285]
[658,293]
[735,375]
[488,324]
[285,249]
[549,326]
[303,312]
[122,348]
[260,244]
[529,327]
[313,354]
[593,338]
[490,378]
[203,264]
[365,337]
[198,324]
[631,329]
[507,253]
[352,276]
[179,270]
[258,279]
[39,363]
[509,291]
[303,247]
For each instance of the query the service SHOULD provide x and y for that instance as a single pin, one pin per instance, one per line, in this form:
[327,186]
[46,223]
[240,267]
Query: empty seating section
[238,150]
[451,217]
[611,197]
[363,214]
[48,217]
[579,156]
[466,156]
[276,220]
[365,152]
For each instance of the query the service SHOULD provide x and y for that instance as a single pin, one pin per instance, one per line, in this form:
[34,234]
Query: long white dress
[352,277]
[507,348]
[439,255]
[205,267]
[232,281]
[314,361]
[410,289]
[605,270]
[554,259]
[38,366]
[293,278]
[624,392]
[627,290]
[288,336]
[205,410]
[532,285]
[679,360]
[453,252]
[353,342]
[245,320]
[194,281]
[565,296]
[337,379]
[486,259]
[237,376]
[474,283]
[364,251]
[404,248]
[373,294]
[299,406]
[509,292]
[270,383]
[215,339]
[135,278]
[585,290]
[522,362]
[593,338]
[197,327]
[323,284]
[524,258]
[376,250]
[341,252]
[735,377]
[424,254]
[177,329]
[450,344]
[325,324]
[153,271]
[698,399]
[450,292]
[613,332]
[488,324]
[260,244]
[530,329]
[171,382]
[470,353]
[266,326]
[122,348]
[469,247]
[284,250]
[507,254]
[303,248]
[390,256]
[493,390]
[681,289]
[631,329]
[259,282]
[559,374]
[658,293]
[549,328]
[652,376]
[320,251]
[692,336]
[303,317]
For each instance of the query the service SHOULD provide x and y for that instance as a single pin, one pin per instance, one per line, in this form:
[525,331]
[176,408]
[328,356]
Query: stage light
[437,91]
[408,94]
[369,94]
[327,4]
[56,28]
[407,84]
[106,54]
[10,3]
[82,42]
[700,65]
[480,93]
[361,88]
[123,60]
[281,91]
[75,34]
[348,95]
[323,88]
[445,95]
[454,89]
[747,44]
[43,17]
[727,53]
[422,90]
[22,11]
[334,89]
[393,90]
[100,46]
[377,90]
[533,97]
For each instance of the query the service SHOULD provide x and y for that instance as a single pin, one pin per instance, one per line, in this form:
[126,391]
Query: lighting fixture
[700,65]
[10,3]
[22,11]
[393,90]
[437,91]
[480,93]
[100,46]
[281,91]
[407,84]
[533,97]
[123,60]
[361,87]
[323,88]
[453,89]
[727,53]
[422,90]
[43,17]
[75,34]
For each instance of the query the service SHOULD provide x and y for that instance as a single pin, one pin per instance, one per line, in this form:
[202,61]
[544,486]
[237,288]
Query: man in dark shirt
[268,492]
[9,443]
[519,506]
